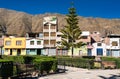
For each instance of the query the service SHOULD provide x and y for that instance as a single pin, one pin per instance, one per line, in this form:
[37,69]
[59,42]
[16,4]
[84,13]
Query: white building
[99,49]
[113,48]
[49,34]
[34,44]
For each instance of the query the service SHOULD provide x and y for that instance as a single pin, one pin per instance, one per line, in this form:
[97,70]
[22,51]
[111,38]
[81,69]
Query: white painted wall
[35,43]
[94,50]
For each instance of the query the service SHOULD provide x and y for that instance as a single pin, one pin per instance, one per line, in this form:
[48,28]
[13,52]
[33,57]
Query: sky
[85,8]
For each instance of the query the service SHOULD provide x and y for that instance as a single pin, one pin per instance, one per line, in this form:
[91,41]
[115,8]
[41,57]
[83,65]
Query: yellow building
[14,46]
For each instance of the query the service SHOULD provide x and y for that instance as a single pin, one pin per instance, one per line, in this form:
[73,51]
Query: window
[114,43]
[46,26]
[14,50]
[6,50]
[46,34]
[32,50]
[53,34]
[46,41]
[41,35]
[18,43]
[38,42]
[8,43]
[52,27]
[31,42]
[52,41]
[99,44]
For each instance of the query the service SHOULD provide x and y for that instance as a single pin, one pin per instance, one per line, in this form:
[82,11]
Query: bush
[45,65]
[28,59]
[15,59]
[89,57]
[6,68]
[75,62]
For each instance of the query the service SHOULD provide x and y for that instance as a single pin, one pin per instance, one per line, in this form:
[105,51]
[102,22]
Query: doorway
[10,51]
[18,52]
[38,51]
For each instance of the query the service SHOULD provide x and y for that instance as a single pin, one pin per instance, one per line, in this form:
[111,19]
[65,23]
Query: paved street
[79,73]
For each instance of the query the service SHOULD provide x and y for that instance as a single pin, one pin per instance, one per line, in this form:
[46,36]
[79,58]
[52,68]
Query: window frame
[18,43]
[8,42]
[31,43]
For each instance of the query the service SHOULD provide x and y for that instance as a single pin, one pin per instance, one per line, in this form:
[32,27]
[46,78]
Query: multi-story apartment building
[34,44]
[14,45]
[49,34]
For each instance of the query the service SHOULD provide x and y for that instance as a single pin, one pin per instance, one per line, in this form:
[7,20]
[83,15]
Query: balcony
[51,45]
[53,37]
[49,30]
[45,30]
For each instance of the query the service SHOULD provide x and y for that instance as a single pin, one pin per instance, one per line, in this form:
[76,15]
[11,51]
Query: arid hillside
[19,23]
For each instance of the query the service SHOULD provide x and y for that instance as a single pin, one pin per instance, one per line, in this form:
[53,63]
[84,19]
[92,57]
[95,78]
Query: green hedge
[6,68]
[45,64]
[76,62]
[24,59]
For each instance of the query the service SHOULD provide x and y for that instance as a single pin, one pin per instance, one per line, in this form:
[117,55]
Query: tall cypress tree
[71,32]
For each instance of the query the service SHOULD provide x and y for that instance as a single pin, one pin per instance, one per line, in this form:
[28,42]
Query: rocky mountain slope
[19,23]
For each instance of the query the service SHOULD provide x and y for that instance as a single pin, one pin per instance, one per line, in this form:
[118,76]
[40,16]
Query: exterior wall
[13,48]
[79,51]
[7,52]
[61,52]
[49,51]
[31,52]
[48,24]
[13,42]
[35,43]
[113,50]
[23,51]
[14,52]
[32,49]
[95,47]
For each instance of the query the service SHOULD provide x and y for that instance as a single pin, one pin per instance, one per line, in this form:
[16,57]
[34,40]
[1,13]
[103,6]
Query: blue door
[99,52]
[89,52]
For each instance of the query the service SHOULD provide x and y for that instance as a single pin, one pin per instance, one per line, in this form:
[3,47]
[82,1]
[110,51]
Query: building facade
[49,34]
[99,49]
[113,48]
[14,46]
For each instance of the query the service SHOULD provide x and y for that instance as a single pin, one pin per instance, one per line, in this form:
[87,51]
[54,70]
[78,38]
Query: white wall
[94,50]
[35,43]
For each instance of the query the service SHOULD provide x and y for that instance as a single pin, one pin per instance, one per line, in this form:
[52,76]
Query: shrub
[76,62]
[45,64]
[89,57]
[6,68]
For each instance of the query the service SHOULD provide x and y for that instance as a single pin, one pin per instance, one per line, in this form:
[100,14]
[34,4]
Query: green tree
[71,32]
